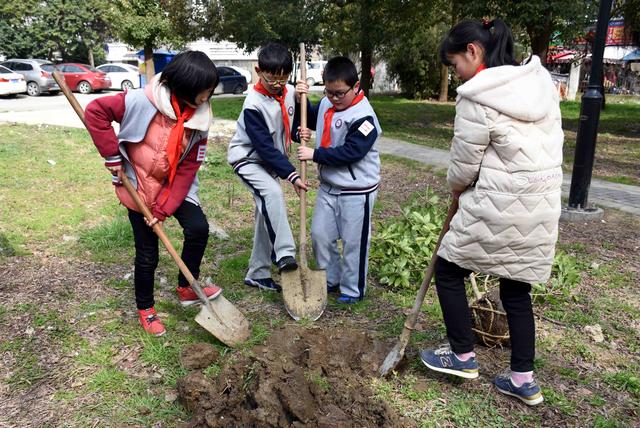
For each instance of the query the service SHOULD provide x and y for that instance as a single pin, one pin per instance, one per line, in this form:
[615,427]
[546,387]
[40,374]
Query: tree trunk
[540,45]
[444,70]
[150,70]
[365,62]
[366,50]
[444,83]
[91,63]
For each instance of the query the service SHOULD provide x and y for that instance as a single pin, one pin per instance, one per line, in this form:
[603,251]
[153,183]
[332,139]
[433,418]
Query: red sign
[616,35]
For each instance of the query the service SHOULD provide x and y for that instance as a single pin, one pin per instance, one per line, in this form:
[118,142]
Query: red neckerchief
[480,68]
[328,117]
[174,142]
[259,87]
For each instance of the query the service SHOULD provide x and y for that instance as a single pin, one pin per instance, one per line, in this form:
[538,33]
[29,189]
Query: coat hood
[160,97]
[524,92]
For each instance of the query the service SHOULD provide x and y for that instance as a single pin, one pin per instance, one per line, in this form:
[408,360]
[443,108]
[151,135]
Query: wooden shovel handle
[59,78]
[413,315]
[157,228]
[303,164]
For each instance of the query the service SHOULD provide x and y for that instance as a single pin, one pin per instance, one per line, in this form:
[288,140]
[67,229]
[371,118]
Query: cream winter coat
[508,141]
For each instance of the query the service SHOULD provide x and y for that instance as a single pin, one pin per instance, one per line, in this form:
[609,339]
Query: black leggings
[457,317]
[196,233]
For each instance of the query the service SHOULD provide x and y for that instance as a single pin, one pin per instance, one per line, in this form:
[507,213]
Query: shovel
[397,353]
[304,291]
[218,316]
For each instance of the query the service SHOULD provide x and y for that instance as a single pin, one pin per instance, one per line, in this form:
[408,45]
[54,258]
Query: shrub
[402,246]
[565,275]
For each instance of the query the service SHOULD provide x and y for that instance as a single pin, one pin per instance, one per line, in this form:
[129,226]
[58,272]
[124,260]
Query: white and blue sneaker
[444,360]
[529,393]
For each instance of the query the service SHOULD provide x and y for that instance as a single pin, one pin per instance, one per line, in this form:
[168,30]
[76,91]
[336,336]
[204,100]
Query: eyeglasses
[272,82]
[337,94]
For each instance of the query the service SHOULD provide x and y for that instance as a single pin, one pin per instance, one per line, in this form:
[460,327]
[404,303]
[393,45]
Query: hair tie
[486,24]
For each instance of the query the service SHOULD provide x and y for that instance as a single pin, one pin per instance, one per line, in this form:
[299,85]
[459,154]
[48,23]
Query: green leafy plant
[565,275]
[402,246]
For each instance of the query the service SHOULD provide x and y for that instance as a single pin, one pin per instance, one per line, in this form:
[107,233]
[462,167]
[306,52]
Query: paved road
[55,110]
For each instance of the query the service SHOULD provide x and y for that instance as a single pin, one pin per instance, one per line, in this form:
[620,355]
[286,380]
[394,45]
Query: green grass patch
[624,380]
[52,177]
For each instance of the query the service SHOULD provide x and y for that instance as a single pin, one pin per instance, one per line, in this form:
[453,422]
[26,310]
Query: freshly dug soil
[301,377]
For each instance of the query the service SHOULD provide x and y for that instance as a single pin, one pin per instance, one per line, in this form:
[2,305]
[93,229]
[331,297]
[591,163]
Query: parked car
[123,76]
[84,78]
[11,83]
[37,74]
[231,81]
[314,72]
[246,73]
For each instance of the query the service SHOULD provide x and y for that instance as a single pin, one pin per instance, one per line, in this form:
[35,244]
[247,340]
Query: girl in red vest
[160,146]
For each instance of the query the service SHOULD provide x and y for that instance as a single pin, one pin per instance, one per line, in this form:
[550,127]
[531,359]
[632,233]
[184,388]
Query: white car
[314,72]
[11,83]
[123,76]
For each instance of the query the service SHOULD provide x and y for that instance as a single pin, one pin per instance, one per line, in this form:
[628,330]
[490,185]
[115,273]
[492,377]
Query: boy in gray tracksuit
[257,153]
[349,170]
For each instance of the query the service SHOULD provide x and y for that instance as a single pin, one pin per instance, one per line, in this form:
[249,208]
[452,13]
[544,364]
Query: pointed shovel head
[222,319]
[304,292]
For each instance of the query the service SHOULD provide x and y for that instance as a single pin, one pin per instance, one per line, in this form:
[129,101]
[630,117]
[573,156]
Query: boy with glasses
[258,154]
[349,172]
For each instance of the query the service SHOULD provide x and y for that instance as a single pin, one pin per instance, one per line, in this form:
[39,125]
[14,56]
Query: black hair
[188,74]
[340,68]
[494,36]
[275,58]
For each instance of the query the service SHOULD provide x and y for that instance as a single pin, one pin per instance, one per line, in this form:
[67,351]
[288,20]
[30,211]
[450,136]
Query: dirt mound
[301,377]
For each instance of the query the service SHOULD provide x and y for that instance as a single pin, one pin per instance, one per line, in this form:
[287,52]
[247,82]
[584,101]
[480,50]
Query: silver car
[37,73]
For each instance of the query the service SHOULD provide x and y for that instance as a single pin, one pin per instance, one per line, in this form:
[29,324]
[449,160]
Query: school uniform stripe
[359,191]
[364,239]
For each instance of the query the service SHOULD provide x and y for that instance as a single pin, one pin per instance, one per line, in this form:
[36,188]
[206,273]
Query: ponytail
[494,36]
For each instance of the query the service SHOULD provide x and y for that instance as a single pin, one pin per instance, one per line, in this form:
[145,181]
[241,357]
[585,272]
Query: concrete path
[56,111]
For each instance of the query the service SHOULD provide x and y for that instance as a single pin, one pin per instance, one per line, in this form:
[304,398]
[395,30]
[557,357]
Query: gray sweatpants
[346,218]
[272,237]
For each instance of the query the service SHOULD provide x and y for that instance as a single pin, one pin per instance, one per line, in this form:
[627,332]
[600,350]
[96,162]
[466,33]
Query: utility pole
[589,118]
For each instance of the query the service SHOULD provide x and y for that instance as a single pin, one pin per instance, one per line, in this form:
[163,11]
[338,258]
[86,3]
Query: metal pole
[589,117]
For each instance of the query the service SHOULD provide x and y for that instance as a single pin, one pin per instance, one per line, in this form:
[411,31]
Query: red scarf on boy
[328,117]
[259,87]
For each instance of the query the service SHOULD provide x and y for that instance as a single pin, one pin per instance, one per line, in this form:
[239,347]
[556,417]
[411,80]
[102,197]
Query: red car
[84,78]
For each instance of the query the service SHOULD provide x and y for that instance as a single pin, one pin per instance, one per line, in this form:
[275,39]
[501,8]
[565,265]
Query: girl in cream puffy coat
[505,168]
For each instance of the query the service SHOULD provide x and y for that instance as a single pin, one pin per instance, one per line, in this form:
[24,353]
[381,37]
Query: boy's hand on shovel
[304,134]
[298,186]
[301,88]
[305,153]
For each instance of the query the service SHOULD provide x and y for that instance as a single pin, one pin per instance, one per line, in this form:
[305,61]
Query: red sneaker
[189,297]
[150,322]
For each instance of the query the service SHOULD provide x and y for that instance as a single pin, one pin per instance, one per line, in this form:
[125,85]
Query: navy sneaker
[443,360]
[287,263]
[263,284]
[529,393]
[333,289]
[347,300]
